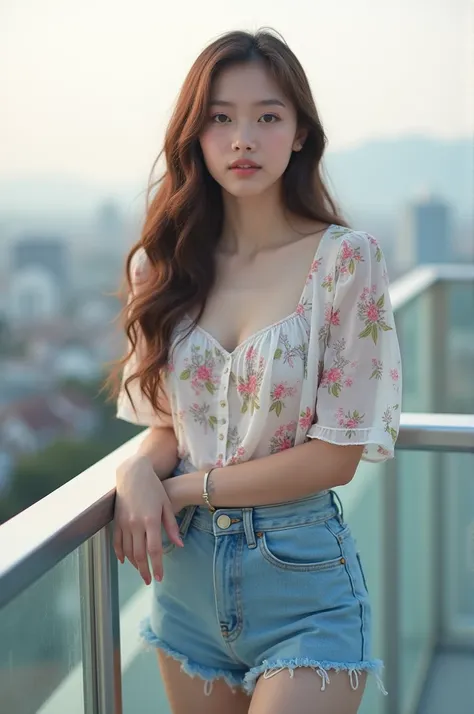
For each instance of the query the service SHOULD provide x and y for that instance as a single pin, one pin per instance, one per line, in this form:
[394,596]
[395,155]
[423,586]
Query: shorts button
[223,521]
[223,404]
[221,436]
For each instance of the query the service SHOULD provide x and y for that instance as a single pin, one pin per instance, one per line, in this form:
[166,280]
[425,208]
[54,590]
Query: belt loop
[248,527]
[341,508]
[186,522]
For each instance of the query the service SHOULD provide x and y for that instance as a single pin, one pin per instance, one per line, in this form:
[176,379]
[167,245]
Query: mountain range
[377,177]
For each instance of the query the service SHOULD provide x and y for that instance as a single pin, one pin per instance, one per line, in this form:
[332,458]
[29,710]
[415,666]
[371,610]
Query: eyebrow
[261,103]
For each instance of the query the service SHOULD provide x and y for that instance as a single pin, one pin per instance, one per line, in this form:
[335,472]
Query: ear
[300,138]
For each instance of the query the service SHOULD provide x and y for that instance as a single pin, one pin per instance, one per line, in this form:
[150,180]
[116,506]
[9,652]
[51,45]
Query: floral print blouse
[331,370]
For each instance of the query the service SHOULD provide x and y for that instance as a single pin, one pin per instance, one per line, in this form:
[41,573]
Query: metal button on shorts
[223,522]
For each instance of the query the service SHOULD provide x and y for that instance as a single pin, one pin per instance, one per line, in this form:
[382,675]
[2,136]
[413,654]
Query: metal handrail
[39,537]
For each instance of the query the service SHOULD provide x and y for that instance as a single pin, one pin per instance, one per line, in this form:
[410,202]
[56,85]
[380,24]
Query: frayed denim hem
[354,669]
[208,674]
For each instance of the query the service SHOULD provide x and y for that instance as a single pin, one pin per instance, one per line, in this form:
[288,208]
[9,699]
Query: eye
[216,118]
[272,117]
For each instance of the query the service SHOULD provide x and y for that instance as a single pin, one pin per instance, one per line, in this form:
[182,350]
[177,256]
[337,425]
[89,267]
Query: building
[39,283]
[426,234]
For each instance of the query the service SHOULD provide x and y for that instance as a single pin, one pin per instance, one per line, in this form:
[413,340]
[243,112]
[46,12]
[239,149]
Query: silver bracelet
[205,493]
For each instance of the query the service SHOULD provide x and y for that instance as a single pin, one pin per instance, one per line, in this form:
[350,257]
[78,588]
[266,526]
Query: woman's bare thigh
[303,694]
[186,694]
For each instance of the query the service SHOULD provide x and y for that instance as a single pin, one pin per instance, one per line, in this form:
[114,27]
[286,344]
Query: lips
[244,164]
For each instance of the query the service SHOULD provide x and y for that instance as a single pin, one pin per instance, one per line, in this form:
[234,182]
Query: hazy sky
[86,86]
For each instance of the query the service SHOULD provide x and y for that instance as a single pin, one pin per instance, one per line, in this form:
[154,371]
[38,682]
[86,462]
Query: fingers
[170,525]
[118,543]
[155,549]
[128,545]
[140,554]
[136,540]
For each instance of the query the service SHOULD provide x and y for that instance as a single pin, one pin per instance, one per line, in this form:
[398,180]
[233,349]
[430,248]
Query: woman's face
[249,119]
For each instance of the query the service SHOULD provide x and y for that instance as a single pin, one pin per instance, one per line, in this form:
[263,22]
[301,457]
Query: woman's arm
[286,476]
[160,448]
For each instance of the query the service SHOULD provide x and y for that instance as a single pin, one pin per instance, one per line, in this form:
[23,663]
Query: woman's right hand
[141,508]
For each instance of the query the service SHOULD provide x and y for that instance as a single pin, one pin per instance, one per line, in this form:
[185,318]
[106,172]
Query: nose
[243,141]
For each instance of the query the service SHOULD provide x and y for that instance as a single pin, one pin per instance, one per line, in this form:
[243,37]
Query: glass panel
[142,686]
[458,541]
[40,645]
[460,348]
[413,326]
[417,520]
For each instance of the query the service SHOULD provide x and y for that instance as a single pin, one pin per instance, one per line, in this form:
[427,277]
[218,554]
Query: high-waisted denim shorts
[259,590]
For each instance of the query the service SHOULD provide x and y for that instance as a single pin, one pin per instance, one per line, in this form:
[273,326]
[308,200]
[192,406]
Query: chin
[245,188]
[244,191]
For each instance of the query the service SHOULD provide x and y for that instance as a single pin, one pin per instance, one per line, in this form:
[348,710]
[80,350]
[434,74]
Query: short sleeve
[359,387]
[141,411]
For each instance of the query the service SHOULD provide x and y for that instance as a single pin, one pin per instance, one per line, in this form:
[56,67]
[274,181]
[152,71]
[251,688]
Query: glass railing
[69,616]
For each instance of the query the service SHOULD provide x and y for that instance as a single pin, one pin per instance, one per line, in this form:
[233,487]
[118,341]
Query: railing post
[100,626]
[391,584]
[439,395]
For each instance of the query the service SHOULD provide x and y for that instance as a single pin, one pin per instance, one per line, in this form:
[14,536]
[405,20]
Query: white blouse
[331,370]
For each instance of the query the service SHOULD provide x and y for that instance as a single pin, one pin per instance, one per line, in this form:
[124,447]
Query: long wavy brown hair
[184,207]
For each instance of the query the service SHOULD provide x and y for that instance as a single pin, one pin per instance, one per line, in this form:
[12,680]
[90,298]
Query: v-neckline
[268,328]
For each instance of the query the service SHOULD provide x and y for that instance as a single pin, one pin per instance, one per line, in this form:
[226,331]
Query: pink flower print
[328,283]
[378,250]
[249,385]
[300,309]
[331,316]
[238,456]
[249,355]
[350,421]
[280,392]
[372,313]
[347,251]
[335,320]
[334,377]
[348,258]
[306,419]
[283,438]
[394,375]
[200,370]
[377,369]
[314,269]
[280,431]
[203,373]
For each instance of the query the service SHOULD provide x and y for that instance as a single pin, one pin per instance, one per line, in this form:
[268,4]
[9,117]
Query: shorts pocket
[364,579]
[308,547]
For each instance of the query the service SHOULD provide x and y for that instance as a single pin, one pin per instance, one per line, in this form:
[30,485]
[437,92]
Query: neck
[254,223]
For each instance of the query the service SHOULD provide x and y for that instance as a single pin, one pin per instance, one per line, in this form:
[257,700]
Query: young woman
[264,358]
